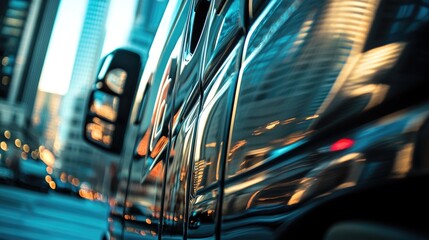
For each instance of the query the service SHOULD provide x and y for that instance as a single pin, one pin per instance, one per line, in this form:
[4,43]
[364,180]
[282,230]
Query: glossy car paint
[282,119]
[315,72]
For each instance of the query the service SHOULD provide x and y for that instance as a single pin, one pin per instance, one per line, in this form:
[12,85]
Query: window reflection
[287,80]
[115,80]
[210,142]
[100,131]
[105,105]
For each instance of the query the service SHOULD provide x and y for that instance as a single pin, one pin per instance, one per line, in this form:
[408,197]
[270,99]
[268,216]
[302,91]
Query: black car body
[280,119]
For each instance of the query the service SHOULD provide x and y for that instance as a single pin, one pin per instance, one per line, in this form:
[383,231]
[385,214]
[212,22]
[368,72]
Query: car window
[293,60]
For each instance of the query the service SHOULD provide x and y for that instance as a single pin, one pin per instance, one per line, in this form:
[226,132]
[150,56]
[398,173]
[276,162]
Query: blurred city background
[49,52]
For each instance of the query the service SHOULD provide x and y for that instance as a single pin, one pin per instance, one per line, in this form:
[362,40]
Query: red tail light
[342,144]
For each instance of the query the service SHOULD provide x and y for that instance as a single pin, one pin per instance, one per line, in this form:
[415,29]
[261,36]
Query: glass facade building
[75,156]
[25,31]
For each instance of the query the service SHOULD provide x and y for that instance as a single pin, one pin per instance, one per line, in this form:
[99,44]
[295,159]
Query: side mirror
[111,99]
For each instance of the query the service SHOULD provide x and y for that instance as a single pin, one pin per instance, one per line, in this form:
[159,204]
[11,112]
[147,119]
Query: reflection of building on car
[272,119]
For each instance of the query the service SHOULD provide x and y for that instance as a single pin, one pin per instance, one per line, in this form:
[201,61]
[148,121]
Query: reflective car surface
[280,119]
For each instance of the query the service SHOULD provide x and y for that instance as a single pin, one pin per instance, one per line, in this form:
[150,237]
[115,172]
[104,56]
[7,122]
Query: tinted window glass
[105,105]
[115,80]
[209,143]
[294,59]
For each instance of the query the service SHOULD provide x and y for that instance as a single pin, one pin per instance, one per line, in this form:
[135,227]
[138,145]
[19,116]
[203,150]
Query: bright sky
[57,70]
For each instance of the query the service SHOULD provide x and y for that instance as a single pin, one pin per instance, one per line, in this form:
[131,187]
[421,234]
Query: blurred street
[28,214]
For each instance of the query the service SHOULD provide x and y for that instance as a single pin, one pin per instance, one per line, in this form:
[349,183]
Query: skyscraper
[25,30]
[45,118]
[75,156]
[147,18]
